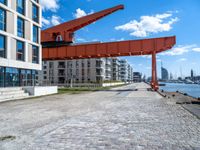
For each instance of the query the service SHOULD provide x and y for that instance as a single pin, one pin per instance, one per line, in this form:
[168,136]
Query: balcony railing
[61,66]
[61,74]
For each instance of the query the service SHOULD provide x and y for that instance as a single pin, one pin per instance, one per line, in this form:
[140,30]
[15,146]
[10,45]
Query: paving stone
[101,120]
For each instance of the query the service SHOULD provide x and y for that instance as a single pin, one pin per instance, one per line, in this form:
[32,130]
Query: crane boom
[65,31]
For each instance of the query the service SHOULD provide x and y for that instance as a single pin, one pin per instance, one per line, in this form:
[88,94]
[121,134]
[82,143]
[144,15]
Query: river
[190,89]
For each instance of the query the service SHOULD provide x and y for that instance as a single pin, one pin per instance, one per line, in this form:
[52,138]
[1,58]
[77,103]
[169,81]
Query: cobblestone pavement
[117,119]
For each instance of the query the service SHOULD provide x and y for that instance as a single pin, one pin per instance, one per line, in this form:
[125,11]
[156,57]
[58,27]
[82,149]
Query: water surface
[190,89]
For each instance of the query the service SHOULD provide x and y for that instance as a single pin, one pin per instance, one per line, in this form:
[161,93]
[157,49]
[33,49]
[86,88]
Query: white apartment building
[81,71]
[125,71]
[116,69]
[20,48]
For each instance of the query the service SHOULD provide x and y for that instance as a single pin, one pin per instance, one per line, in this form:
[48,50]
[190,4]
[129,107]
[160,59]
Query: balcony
[99,73]
[61,74]
[61,66]
[99,66]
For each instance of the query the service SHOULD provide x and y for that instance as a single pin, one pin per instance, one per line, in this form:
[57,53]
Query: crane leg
[154,81]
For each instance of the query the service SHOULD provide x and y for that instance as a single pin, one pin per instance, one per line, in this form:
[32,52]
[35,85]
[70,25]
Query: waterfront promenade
[121,118]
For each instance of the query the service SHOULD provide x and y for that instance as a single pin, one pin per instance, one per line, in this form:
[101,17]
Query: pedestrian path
[121,118]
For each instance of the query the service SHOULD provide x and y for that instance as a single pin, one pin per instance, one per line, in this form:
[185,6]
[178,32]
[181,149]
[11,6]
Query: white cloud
[196,49]
[51,5]
[51,21]
[182,59]
[149,24]
[81,13]
[55,20]
[159,60]
[179,50]
[45,22]
[80,40]
[114,39]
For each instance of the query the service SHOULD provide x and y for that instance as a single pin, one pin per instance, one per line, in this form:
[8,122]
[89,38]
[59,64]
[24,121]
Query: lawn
[68,90]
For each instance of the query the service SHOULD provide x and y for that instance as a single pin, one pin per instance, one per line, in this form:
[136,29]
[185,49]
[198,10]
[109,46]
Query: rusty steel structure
[58,44]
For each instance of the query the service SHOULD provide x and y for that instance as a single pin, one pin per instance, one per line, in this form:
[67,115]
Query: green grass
[84,89]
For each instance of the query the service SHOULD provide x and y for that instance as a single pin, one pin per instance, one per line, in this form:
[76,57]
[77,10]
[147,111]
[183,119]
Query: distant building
[125,71]
[115,69]
[164,74]
[83,71]
[171,76]
[192,73]
[137,77]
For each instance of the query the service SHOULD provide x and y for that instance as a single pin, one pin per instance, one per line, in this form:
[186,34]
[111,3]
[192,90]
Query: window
[12,77]
[2,46]
[2,76]
[35,34]
[20,6]
[2,19]
[20,27]
[35,52]
[35,13]
[20,51]
[3,1]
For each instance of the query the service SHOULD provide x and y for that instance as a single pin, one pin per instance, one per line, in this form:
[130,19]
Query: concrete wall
[40,91]
[112,84]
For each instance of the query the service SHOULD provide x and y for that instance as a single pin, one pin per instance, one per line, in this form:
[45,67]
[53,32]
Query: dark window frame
[4,22]
[35,17]
[35,39]
[4,43]
[21,31]
[4,2]
[35,55]
[19,9]
[20,54]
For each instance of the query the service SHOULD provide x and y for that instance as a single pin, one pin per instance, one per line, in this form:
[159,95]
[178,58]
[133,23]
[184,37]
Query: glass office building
[20,48]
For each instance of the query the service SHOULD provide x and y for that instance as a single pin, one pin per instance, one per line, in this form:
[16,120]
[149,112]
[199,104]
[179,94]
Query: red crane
[58,44]
[64,33]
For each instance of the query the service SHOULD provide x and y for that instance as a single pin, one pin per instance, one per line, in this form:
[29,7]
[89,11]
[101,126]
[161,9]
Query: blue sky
[140,19]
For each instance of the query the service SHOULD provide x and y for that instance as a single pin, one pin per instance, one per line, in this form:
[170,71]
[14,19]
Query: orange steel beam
[66,30]
[110,49]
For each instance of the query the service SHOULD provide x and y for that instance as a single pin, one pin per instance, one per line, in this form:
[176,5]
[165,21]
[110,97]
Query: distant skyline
[140,19]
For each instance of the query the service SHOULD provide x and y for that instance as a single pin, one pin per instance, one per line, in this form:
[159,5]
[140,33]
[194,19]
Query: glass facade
[20,27]
[20,6]
[35,13]
[3,1]
[13,77]
[2,46]
[35,34]
[2,75]
[10,76]
[20,51]
[35,54]
[2,19]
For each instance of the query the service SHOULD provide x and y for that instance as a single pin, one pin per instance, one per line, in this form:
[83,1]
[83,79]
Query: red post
[154,81]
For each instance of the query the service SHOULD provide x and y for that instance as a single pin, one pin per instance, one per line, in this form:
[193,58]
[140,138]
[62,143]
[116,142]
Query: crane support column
[154,82]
